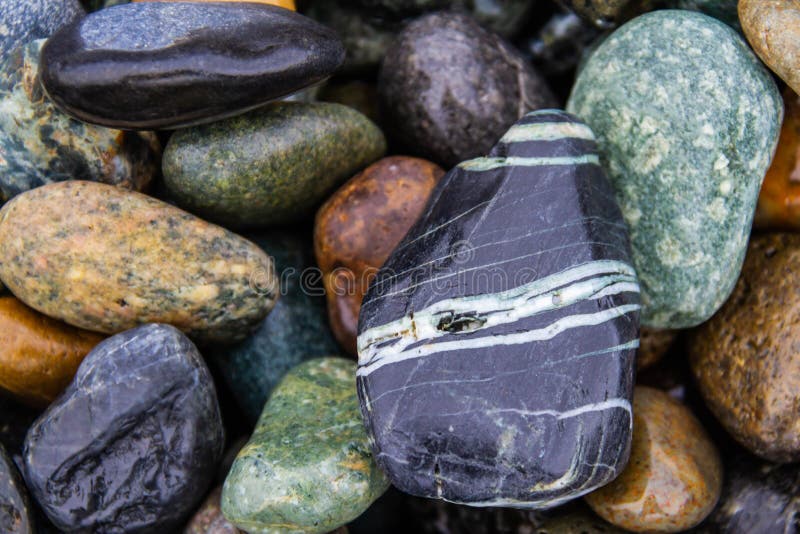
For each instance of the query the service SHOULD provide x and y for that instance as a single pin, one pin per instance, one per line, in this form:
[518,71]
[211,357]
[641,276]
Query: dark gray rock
[25,20]
[172,64]
[133,443]
[16,514]
[449,88]
[496,344]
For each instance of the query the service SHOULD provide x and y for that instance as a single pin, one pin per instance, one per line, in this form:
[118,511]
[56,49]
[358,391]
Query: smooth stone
[608,13]
[518,273]
[756,497]
[773,29]
[687,177]
[280,162]
[209,518]
[16,514]
[674,477]
[24,21]
[307,468]
[173,64]
[41,145]
[294,331]
[106,259]
[449,88]
[654,343]
[359,226]
[744,359]
[779,201]
[286,4]
[132,444]
[38,355]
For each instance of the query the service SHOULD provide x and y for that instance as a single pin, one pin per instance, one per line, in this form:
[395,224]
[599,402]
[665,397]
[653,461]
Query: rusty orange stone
[38,355]
[674,476]
[360,225]
[287,4]
[779,201]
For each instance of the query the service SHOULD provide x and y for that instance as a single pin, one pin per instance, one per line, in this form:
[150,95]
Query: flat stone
[280,162]
[773,29]
[359,226]
[133,443]
[779,199]
[38,355]
[687,177]
[674,476]
[518,273]
[209,518]
[106,259]
[41,145]
[756,497]
[307,468]
[449,88]
[16,514]
[172,64]
[294,331]
[745,359]
[34,19]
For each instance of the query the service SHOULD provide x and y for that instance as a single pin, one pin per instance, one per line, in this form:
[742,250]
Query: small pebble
[271,166]
[106,259]
[308,467]
[745,358]
[209,519]
[38,355]
[674,476]
[359,226]
[133,442]
[449,89]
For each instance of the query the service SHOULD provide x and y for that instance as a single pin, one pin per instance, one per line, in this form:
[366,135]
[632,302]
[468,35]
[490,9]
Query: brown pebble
[654,343]
[674,475]
[773,29]
[745,359]
[38,355]
[360,225]
[209,518]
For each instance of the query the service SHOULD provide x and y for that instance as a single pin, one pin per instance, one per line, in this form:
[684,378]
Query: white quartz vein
[487,164]
[547,131]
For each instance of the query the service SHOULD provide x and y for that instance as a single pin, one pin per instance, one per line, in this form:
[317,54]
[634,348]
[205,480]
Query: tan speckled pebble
[773,29]
[674,476]
[106,259]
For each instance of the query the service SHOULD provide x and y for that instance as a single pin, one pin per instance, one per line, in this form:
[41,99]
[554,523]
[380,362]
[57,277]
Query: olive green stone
[270,166]
[687,119]
[308,467]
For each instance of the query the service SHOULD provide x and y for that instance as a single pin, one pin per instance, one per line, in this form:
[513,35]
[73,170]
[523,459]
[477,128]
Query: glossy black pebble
[172,64]
[133,443]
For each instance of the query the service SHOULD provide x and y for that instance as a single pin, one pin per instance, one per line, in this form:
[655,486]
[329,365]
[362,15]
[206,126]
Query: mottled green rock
[295,330]
[40,145]
[308,467]
[687,119]
[270,166]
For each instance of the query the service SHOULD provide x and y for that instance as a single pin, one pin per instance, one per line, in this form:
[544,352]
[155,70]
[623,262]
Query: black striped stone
[496,344]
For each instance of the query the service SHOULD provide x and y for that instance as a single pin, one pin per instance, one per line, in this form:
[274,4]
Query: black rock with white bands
[496,345]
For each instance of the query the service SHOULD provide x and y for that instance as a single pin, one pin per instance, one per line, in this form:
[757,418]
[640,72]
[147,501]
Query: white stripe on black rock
[496,344]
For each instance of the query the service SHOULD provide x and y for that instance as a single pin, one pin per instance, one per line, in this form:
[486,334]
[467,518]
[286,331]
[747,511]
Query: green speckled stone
[270,166]
[308,467]
[40,145]
[295,330]
[687,119]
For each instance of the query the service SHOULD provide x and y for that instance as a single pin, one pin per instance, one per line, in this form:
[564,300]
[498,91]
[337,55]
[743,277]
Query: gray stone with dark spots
[134,441]
[25,20]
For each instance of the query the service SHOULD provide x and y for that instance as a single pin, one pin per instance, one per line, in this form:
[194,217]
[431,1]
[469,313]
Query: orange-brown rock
[38,355]
[209,518]
[779,200]
[674,475]
[745,359]
[287,4]
[653,345]
[773,29]
[359,226]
